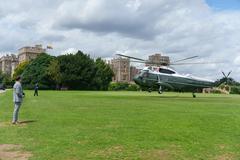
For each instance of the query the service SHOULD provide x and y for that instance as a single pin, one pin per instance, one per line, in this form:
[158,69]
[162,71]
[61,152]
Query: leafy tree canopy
[54,72]
[103,75]
[19,70]
[71,71]
[77,71]
[36,72]
[5,80]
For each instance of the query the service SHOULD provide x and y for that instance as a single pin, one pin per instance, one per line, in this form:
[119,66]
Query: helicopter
[163,76]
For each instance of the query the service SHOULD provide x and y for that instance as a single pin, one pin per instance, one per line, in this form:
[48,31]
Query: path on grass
[2,91]
[13,152]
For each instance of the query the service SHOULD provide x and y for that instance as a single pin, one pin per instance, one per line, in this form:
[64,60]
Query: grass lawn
[75,125]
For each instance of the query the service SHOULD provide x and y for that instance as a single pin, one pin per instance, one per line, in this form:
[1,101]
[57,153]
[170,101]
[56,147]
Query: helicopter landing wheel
[160,90]
[194,95]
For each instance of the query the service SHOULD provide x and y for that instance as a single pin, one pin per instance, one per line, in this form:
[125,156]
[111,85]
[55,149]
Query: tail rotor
[226,76]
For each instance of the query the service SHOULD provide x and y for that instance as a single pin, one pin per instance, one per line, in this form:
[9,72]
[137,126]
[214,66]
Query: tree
[1,77]
[36,72]
[72,71]
[235,90]
[5,80]
[54,72]
[20,68]
[77,71]
[103,75]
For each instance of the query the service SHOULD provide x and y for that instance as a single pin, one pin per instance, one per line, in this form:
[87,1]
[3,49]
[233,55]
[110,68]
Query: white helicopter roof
[174,73]
[156,69]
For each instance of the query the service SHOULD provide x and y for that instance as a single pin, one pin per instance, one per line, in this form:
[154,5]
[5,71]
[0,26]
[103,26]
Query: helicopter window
[162,70]
[144,74]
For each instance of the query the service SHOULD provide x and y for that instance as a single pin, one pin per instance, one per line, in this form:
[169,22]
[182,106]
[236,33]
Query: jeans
[35,92]
[17,106]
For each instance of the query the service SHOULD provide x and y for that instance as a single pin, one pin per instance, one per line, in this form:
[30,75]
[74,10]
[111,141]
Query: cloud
[135,27]
[237,61]
[134,18]
[70,51]
[53,38]
[103,17]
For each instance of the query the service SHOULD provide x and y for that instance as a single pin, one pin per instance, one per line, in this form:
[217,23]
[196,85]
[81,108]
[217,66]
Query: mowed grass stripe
[124,125]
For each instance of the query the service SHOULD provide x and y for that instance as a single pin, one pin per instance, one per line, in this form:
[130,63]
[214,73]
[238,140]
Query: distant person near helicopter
[36,89]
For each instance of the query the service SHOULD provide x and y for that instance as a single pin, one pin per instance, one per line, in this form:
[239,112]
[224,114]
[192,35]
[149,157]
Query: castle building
[8,63]
[121,69]
[28,53]
[133,72]
[158,59]
[123,72]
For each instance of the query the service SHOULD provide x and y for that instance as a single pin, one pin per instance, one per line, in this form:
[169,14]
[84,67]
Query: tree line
[77,72]
[71,71]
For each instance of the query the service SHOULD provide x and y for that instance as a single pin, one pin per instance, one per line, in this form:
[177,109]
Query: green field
[74,125]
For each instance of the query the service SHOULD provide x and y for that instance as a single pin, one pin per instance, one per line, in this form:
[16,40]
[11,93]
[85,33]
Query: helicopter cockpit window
[150,67]
[144,74]
[162,70]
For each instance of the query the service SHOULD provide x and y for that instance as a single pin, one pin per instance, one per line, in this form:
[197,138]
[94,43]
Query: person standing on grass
[36,89]
[17,99]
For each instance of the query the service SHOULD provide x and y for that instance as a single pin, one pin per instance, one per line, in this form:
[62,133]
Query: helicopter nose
[137,79]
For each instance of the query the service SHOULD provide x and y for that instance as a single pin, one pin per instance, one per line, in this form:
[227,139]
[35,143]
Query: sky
[176,28]
[224,4]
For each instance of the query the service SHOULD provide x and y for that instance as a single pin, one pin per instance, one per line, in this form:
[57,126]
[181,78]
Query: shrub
[123,86]
[235,90]
[216,91]
[133,87]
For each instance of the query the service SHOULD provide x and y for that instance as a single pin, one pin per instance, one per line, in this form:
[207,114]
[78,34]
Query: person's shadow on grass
[27,121]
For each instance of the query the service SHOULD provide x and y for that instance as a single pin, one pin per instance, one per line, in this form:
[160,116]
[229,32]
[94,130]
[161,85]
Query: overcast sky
[102,28]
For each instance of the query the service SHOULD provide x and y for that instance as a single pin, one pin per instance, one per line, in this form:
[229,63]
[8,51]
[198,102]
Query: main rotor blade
[185,59]
[150,63]
[138,61]
[194,63]
[121,55]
